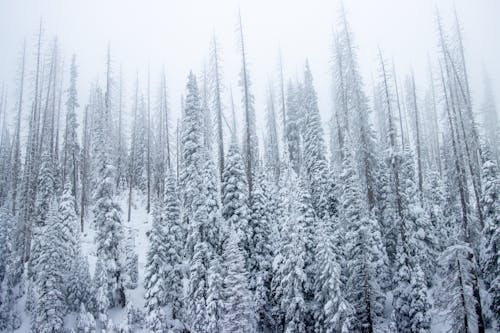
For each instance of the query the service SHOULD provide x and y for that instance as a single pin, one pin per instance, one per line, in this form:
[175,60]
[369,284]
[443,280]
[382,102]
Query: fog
[176,34]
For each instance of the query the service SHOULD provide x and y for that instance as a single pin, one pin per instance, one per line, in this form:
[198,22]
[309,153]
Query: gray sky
[177,34]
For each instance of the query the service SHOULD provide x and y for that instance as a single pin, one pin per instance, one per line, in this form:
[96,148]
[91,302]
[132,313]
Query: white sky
[177,34]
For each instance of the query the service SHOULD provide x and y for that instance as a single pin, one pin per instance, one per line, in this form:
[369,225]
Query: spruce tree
[49,311]
[235,210]
[490,243]
[366,263]
[239,311]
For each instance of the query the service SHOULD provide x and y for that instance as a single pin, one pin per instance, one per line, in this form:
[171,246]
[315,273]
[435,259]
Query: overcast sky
[177,34]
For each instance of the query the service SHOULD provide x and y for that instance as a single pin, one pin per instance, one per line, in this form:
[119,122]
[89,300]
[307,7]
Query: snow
[140,224]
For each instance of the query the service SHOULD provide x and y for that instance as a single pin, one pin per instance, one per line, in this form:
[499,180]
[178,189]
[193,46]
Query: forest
[119,214]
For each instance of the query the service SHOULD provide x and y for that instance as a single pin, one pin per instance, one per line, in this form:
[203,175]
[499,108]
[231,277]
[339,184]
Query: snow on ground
[140,224]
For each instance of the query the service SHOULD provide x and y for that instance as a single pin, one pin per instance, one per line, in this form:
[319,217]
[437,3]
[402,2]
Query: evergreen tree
[365,257]
[235,208]
[456,295]
[71,148]
[49,311]
[332,312]
[290,278]
[239,311]
[45,196]
[420,319]
[109,235]
[215,297]
[85,322]
[293,127]
[262,252]
[101,294]
[315,163]
[490,244]
[163,277]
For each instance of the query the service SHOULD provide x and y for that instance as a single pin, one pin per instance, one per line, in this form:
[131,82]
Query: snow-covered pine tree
[45,196]
[79,283]
[239,312]
[293,127]
[49,311]
[235,210]
[215,297]
[315,163]
[490,242]
[434,204]
[71,148]
[131,260]
[85,322]
[366,261]
[204,236]
[456,296]
[420,318]
[107,216]
[10,268]
[289,276]
[163,276]
[419,229]
[260,279]
[332,312]
[75,289]
[191,157]
[101,294]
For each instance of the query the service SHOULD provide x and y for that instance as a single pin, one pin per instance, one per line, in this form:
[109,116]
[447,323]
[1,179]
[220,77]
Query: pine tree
[293,127]
[490,242]
[290,283]
[101,294]
[456,295]
[315,163]
[46,189]
[239,312]
[71,148]
[49,311]
[420,320]
[71,251]
[85,322]
[109,235]
[192,147]
[215,297]
[262,252]
[131,261]
[10,267]
[365,257]
[235,208]
[163,277]
[332,312]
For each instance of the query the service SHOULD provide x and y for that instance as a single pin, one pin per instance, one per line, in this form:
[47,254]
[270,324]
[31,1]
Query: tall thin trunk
[148,150]
[218,106]
[17,139]
[246,104]
[417,130]
[399,106]
[85,139]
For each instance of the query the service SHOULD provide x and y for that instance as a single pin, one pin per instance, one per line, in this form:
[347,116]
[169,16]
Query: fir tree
[490,247]
[235,208]
[85,322]
[49,311]
[365,257]
[239,312]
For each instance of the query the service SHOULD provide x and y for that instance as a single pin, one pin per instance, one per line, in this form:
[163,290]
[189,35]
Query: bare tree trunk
[17,140]
[417,129]
[148,150]
[83,202]
[218,107]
